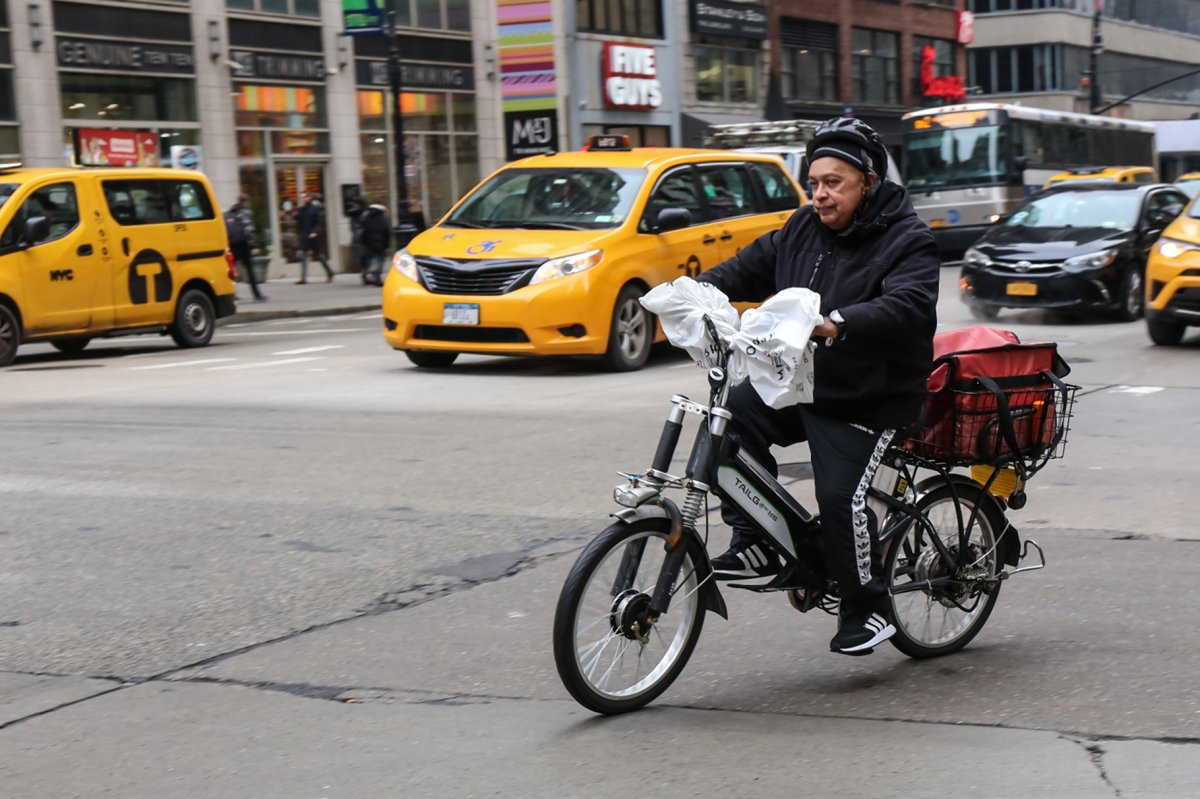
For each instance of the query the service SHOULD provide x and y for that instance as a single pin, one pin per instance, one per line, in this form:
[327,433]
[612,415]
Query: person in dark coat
[243,241]
[309,227]
[358,252]
[861,247]
[377,236]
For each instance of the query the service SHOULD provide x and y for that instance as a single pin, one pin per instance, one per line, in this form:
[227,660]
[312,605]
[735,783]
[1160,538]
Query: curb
[244,317]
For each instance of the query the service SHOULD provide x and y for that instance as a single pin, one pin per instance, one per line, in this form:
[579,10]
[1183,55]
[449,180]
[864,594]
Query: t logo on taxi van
[62,274]
[482,248]
[147,266]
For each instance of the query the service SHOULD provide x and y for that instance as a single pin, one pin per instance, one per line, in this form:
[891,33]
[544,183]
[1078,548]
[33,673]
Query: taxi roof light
[612,142]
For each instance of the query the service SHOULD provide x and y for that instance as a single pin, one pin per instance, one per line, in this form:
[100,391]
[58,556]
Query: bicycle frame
[717,464]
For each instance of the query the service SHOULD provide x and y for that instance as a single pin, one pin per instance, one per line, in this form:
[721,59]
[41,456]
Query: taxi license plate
[460,313]
[1022,289]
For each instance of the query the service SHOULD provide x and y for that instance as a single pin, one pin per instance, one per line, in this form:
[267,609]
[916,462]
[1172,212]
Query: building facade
[267,97]
[1039,52]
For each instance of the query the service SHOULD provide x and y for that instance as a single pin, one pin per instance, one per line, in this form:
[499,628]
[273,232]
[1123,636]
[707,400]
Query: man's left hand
[827,329]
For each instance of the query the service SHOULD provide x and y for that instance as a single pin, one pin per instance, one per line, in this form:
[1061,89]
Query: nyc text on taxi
[549,255]
[107,252]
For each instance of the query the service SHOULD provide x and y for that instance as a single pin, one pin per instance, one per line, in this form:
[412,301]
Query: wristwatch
[836,317]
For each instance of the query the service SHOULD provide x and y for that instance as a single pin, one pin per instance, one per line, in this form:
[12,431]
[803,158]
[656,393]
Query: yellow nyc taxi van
[549,255]
[1108,174]
[1173,278]
[108,252]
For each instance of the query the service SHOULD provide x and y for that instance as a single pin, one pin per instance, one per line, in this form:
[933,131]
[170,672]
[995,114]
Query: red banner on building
[103,147]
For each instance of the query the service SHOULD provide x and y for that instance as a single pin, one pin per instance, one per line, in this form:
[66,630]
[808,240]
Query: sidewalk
[346,294]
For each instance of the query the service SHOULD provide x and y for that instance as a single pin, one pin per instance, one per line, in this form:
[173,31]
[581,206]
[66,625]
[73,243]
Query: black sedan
[1070,247]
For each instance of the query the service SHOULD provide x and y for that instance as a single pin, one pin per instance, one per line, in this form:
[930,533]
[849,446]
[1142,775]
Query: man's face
[305,197]
[837,190]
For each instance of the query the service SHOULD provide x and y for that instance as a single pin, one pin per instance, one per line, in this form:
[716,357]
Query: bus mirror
[1020,162]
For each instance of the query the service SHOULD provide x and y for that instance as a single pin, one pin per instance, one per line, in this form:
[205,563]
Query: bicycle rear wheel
[943,618]
[612,655]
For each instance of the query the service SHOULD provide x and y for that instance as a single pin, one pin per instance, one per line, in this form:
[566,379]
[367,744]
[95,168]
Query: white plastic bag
[774,342]
[681,305]
[769,345]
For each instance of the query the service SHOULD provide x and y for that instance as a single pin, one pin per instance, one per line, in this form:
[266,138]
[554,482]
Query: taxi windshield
[551,198]
[6,191]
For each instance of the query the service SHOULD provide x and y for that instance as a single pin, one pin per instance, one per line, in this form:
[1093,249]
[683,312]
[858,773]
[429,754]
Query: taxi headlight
[406,265]
[567,265]
[1093,260]
[973,257]
[1173,248]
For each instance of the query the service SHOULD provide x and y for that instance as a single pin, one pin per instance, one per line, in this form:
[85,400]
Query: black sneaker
[752,560]
[860,633]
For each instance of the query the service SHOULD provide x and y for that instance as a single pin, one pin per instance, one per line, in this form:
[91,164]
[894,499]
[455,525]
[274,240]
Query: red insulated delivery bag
[993,399]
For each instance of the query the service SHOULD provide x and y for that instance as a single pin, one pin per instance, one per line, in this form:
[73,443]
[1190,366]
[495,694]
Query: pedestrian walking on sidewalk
[310,226]
[377,237]
[243,241]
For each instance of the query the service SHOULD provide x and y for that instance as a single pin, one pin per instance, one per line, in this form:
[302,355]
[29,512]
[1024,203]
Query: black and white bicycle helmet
[851,140]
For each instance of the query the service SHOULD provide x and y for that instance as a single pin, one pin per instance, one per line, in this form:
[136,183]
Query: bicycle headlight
[1173,248]
[973,257]
[1093,260]
[567,265]
[406,265]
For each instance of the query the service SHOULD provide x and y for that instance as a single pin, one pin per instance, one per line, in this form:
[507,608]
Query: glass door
[291,181]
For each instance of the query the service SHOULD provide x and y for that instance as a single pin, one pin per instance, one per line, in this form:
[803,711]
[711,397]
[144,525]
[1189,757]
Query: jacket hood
[378,207]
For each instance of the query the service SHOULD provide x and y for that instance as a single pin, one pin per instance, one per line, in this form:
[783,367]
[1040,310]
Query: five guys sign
[631,76]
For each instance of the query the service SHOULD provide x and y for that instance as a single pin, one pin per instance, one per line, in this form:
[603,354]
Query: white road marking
[305,350]
[368,316]
[1136,389]
[297,332]
[261,363]
[180,363]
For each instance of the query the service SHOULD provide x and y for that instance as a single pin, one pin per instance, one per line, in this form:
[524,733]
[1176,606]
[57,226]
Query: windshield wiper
[463,223]
[552,226]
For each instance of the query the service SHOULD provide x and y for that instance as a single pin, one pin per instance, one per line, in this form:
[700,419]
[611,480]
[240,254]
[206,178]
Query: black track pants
[845,457]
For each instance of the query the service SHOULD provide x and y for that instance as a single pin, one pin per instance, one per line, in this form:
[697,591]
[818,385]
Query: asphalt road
[291,564]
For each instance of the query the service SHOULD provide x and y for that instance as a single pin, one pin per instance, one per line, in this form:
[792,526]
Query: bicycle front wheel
[612,654]
[939,604]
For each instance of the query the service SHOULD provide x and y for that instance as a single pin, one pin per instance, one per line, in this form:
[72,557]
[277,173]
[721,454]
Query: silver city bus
[966,165]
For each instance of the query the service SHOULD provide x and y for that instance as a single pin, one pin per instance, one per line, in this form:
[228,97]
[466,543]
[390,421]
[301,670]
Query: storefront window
[876,66]
[120,98]
[454,15]
[301,8]
[280,106]
[441,150]
[621,17]
[726,74]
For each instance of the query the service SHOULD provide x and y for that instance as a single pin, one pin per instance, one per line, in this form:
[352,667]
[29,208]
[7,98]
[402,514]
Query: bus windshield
[955,157]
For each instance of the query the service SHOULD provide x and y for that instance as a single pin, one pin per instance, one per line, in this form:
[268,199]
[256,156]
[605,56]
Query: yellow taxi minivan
[1173,278]
[86,253]
[550,254]
[1108,174]
[1189,183]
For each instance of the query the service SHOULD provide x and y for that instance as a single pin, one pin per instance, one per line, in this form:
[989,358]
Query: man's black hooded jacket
[882,274]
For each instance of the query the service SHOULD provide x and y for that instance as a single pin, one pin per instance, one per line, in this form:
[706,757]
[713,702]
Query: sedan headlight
[568,265]
[1093,260]
[1173,248]
[406,265]
[973,257]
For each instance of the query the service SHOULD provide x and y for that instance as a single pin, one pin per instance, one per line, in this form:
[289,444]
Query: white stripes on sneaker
[753,557]
[880,631]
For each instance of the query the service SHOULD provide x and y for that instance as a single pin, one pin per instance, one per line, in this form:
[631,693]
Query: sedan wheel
[1133,296]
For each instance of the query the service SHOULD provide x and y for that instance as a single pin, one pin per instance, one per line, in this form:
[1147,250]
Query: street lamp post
[406,227]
